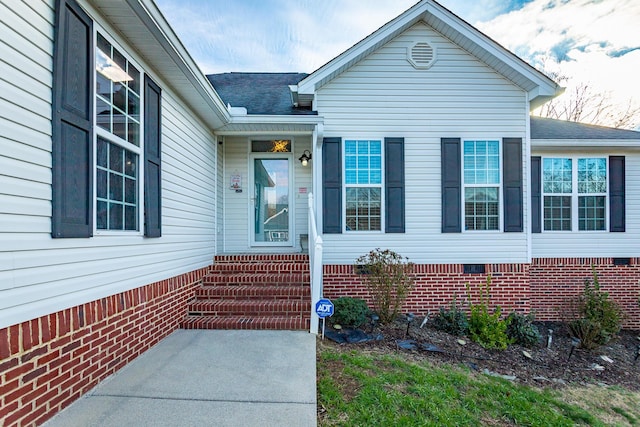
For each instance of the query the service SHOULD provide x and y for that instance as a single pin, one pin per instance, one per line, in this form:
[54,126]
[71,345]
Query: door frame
[252,200]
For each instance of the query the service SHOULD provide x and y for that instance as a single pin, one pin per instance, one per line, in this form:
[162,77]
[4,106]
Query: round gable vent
[421,55]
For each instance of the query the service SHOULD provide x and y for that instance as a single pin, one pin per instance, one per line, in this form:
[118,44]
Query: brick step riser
[228,313]
[253,307]
[218,294]
[260,268]
[261,258]
[253,323]
[259,280]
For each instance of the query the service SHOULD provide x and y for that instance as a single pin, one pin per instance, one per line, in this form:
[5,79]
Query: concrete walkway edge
[208,378]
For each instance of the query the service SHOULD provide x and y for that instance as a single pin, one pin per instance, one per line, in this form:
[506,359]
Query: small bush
[388,279]
[485,328]
[351,312]
[452,320]
[521,330]
[592,317]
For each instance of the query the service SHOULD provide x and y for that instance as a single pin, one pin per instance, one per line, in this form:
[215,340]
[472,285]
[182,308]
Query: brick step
[260,267]
[248,308]
[297,278]
[247,322]
[261,258]
[253,291]
[250,292]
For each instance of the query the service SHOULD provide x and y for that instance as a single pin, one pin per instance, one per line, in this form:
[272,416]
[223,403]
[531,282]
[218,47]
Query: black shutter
[616,194]
[394,184]
[536,195]
[152,164]
[72,144]
[512,184]
[451,185]
[332,185]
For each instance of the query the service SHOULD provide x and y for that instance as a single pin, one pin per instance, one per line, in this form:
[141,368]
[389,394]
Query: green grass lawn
[358,389]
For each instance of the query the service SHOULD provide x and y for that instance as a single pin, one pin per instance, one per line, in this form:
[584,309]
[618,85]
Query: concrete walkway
[208,378]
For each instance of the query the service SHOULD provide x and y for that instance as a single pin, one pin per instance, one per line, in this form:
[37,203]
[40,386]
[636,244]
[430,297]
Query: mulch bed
[547,367]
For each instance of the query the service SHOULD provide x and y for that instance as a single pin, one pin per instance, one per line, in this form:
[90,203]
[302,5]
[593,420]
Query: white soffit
[147,31]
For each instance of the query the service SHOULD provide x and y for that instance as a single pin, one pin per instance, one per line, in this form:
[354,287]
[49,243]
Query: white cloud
[586,36]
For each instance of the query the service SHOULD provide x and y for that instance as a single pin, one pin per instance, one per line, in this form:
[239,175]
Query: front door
[271,217]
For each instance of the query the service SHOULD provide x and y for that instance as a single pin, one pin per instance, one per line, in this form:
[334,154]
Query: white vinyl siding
[236,227]
[41,275]
[458,97]
[596,243]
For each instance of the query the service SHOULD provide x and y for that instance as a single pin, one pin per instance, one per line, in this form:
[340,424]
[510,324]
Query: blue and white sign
[324,308]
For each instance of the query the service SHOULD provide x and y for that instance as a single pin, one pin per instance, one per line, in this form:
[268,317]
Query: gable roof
[545,128]
[539,87]
[259,93]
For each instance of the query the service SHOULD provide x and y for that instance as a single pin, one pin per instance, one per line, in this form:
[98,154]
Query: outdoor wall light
[306,156]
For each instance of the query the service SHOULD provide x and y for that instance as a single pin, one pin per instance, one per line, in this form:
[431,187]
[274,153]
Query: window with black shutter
[94,73]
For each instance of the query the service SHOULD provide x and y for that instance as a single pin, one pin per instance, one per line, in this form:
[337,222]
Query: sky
[594,42]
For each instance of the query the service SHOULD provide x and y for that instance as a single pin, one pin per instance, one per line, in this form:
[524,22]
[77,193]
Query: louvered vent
[421,55]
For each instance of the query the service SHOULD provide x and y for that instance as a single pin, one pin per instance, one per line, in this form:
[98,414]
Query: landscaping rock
[497,375]
[431,347]
[606,359]
[527,354]
[407,344]
[462,342]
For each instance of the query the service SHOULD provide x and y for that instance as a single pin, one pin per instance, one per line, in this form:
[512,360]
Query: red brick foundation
[48,362]
[542,286]
[554,280]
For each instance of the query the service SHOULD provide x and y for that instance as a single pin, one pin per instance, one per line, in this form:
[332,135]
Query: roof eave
[605,145]
[271,124]
[172,61]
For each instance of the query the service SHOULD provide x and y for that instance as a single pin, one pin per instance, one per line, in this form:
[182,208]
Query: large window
[481,185]
[363,185]
[118,140]
[106,134]
[574,194]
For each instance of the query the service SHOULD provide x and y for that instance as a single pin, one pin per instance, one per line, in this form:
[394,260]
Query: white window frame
[499,185]
[345,186]
[110,137]
[575,222]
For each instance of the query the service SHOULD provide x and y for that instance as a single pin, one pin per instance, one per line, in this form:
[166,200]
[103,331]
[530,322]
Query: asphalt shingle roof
[259,93]
[269,94]
[544,128]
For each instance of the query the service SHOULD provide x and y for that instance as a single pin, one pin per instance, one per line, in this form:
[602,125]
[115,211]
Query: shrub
[351,312]
[592,317]
[388,279]
[521,330]
[485,328]
[452,320]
